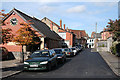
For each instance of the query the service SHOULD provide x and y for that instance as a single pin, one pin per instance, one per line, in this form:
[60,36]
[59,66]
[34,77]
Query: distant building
[96,35]
[65,34]
[105,34]
[81,36]
[91,41]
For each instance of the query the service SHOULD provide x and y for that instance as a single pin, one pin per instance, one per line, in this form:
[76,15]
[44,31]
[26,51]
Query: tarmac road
[86,64]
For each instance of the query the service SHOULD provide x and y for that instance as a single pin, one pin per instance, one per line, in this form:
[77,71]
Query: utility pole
[96,35]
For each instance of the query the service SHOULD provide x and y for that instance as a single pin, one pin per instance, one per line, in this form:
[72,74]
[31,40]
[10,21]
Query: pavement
[10,67]
[86,64]
[113,61]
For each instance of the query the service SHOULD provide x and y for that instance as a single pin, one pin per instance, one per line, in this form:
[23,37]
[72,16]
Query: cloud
[103,4]
[77,9]
[46,9]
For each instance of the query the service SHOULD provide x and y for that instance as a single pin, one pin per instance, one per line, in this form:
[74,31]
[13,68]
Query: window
[92,44]
[90,40]
[13,21]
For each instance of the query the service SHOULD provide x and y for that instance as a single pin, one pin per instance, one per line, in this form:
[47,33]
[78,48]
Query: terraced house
[47,37]
[66,34]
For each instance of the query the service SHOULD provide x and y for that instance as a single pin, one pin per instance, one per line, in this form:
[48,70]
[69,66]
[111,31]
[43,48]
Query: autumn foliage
[6,34]
[26,36]
[114,28]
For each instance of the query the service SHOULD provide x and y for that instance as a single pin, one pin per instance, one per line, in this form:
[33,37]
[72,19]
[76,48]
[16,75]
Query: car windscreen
[40,54]
[58,51]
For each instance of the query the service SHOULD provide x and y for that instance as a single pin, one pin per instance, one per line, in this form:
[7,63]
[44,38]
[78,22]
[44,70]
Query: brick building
[66,34]
[105,34]
[47,37]
[81,36]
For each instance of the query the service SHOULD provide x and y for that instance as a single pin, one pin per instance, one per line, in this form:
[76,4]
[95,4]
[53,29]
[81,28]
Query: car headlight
[45,62]
[59,57]
[26,63]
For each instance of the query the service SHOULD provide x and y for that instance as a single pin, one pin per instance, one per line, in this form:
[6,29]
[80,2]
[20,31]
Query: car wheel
[49,67]
[74,54]
[65,60]
[56,64]
[62,60]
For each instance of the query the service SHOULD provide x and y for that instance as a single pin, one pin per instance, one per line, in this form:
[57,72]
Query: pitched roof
[97,35]
[38,25]
[79,33]
[52,22]
[57,25]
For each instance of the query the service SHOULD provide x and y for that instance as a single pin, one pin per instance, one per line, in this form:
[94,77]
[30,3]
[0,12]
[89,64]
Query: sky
[76,15]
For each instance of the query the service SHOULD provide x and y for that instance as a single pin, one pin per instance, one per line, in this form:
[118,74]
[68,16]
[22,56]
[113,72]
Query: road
[86,64]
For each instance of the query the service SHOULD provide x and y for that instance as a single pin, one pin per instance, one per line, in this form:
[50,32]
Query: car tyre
[49,67]
[56,64]
[65,60]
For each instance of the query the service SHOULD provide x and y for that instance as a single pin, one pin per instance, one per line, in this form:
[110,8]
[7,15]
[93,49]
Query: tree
[26,36]
[114,28]
[6,34]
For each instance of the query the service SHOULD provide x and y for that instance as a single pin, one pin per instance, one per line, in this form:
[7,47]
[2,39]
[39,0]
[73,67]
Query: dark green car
[41,60]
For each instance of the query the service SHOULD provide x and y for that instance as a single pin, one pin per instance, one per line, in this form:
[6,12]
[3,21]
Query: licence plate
[33,65]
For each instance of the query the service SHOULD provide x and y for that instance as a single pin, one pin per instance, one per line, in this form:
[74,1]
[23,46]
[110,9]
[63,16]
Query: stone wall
[109,43]
[17,55]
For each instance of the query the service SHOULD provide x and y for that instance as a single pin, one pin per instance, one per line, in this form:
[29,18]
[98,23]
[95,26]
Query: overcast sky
[76,15]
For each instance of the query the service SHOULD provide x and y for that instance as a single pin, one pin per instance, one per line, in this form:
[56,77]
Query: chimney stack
[51,26]
[67,28]
[64,26]
[60,23]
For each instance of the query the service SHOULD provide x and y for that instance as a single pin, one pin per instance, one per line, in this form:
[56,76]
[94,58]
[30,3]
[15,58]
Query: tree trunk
[22,55]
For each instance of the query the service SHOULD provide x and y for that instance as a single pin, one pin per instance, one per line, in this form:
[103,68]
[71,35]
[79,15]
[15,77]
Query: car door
[54,56]
[51,57]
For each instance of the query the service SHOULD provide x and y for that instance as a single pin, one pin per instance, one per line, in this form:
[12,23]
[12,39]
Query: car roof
[42,50]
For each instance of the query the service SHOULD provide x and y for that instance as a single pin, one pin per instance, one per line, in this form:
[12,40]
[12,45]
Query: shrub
[115,49]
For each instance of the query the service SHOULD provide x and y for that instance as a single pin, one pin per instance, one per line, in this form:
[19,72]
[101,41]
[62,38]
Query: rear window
[58,51]
[73,48]
[66,49]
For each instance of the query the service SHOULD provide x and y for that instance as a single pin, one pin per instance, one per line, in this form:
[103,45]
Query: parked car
[61,56]
[68,52]
[77,48]
[80,47]
[3,53]
[41,60]
[74,50]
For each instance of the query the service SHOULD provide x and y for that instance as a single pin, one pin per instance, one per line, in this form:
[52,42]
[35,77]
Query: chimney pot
[60,23]
[64,26]
[67,28]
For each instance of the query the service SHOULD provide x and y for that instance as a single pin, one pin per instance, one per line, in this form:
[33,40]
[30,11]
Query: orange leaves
[26,36]
[6,35]
[2,15]
[114,28]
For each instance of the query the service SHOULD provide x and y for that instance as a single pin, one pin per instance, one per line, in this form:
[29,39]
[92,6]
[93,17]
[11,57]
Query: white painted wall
[90,42]
[62,34]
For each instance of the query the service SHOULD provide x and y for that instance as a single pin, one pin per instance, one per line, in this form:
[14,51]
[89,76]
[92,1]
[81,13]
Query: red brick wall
[105,35]
[14,29]
[69,37]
